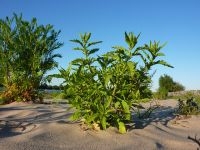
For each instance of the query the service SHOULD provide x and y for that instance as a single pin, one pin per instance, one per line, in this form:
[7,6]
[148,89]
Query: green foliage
[104,88]
[26,54]
[187,95]
[53,94]
[2,101]
[178,87]
[188,107]
[60,96]
[166,84]
[161,94]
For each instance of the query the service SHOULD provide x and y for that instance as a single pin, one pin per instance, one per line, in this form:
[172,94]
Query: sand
[47,127]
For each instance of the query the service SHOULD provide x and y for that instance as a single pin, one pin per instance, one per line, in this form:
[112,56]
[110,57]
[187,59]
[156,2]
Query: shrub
[26,54]
[162,93]
[188,107]
[166,84]
[103,89]
[178,87]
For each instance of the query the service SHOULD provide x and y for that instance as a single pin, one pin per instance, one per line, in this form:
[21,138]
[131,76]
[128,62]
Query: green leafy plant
[162,93]
[167,84]
[103,89]
[26,54]
[188,107]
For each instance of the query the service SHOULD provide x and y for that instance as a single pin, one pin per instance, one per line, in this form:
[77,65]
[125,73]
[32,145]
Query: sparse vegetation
[186,95]
[188,107]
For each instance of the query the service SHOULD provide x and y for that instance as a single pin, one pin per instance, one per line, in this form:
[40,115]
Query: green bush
[188,107]
[26,54]
[166,84]
[162,93]
[103,89]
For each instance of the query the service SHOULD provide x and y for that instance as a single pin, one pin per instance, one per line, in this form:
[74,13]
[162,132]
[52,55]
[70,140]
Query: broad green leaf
[122,128]
[93,51]
[77,41]
[78,48]
[94,43]
[127,116]
[162,62]
[125,106]
[103,122]
[100,108]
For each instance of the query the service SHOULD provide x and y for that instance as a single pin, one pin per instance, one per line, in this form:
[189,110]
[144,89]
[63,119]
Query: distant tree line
[45,86]
[167,84]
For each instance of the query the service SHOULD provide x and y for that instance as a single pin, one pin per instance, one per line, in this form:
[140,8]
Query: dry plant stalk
[195,140]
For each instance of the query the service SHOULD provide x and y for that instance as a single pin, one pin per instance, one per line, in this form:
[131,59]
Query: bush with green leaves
[26,54]
[167,84]
[103,89]
[188,107]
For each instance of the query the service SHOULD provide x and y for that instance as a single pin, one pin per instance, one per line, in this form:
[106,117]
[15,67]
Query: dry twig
[195,140]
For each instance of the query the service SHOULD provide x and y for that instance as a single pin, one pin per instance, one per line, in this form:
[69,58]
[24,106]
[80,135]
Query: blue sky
[176,22]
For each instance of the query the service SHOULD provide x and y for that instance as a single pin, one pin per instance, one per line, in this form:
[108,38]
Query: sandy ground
[47,127]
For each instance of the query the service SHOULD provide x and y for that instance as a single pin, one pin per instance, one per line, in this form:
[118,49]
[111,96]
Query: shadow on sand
[17,124]
[20,123]
[162,114]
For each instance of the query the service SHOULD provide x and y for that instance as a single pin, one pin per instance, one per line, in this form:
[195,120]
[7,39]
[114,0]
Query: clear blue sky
[176,22]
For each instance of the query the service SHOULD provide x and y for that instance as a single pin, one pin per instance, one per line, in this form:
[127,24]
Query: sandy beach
[26,126]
